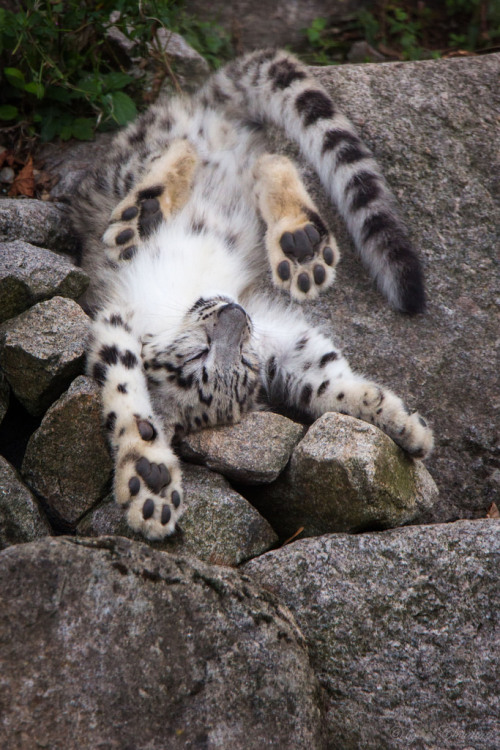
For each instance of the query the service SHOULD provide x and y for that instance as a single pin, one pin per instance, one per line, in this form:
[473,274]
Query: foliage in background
[406,30]
[62,75]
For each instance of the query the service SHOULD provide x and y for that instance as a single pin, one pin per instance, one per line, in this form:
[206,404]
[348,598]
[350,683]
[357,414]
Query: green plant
[60,73]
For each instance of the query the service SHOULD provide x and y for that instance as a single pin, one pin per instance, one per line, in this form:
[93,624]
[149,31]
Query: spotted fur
[178,225]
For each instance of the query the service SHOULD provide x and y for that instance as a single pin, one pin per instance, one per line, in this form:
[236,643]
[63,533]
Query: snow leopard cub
[179,223]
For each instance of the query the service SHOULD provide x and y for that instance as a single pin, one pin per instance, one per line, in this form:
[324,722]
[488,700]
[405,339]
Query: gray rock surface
[191,69]
[4,395]
[403,630]
[29,274]
[432,126]
[253,24]
[67,460]
[218,526]
[108,643]
[346,475]
[42,350]
[38,222]
[21,520]
[254,451]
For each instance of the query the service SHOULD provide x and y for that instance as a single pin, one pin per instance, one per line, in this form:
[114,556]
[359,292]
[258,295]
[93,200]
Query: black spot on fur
[99,373]
[340,397]
[271,368]
[301,343]
[305,395]
[376,224]
[109,354]
[121,388]
[334,138]
[129,360]
[117,320]
[283,73]
[322,388]
[365,188]
[313,105]
[110,421]
[351,153]
[329,357]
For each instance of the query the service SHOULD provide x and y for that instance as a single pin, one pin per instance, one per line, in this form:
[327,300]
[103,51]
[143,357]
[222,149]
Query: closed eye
[201,354]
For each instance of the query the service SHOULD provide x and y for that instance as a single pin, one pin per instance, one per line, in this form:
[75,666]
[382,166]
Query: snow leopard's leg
[163,190]
[147,481]
[302,252]
[304,372]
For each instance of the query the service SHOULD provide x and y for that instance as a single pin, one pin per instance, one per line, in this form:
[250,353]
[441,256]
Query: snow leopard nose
[231,323]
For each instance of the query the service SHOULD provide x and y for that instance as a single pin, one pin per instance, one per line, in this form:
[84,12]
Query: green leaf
[8,112]
[65,132]
[124,108]
[82,129]
[35,88]
[15,77]
[116,80]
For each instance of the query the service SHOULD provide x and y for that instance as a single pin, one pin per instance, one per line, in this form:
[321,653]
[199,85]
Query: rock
[254,451]
[29,274]
[218,526]
[403,631]
[68,162]
[4,395]
[38,222]
[431,125]
[108,643]
[190,68]
[67,460]
[361,52]
[254,24]
[21,520]
[42,350]
[346,475]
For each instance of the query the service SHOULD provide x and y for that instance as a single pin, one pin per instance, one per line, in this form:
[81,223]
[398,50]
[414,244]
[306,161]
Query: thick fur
[178,226]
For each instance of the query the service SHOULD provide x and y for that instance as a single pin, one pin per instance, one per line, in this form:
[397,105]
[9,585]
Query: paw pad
[308,262]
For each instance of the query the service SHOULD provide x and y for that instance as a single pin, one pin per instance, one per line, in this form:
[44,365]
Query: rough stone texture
[4,395]
[403,631]
[432,125]
[254,451]
[108,643]
[21,520]
[346,475]
[191,69]
[68,162]
[67,461]
[42,350]
[257,23]
[38,222]
[218,525]
[29,274]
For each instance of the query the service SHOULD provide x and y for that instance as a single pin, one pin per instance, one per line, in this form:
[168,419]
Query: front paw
[148,484]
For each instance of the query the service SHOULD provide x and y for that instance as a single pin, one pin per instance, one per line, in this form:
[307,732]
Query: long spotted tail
[274,86]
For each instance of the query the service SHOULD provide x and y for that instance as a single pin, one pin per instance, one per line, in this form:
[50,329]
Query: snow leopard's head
[209,373]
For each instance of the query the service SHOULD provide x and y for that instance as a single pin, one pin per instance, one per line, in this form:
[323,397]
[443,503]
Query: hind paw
[163,191]
[302,260]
